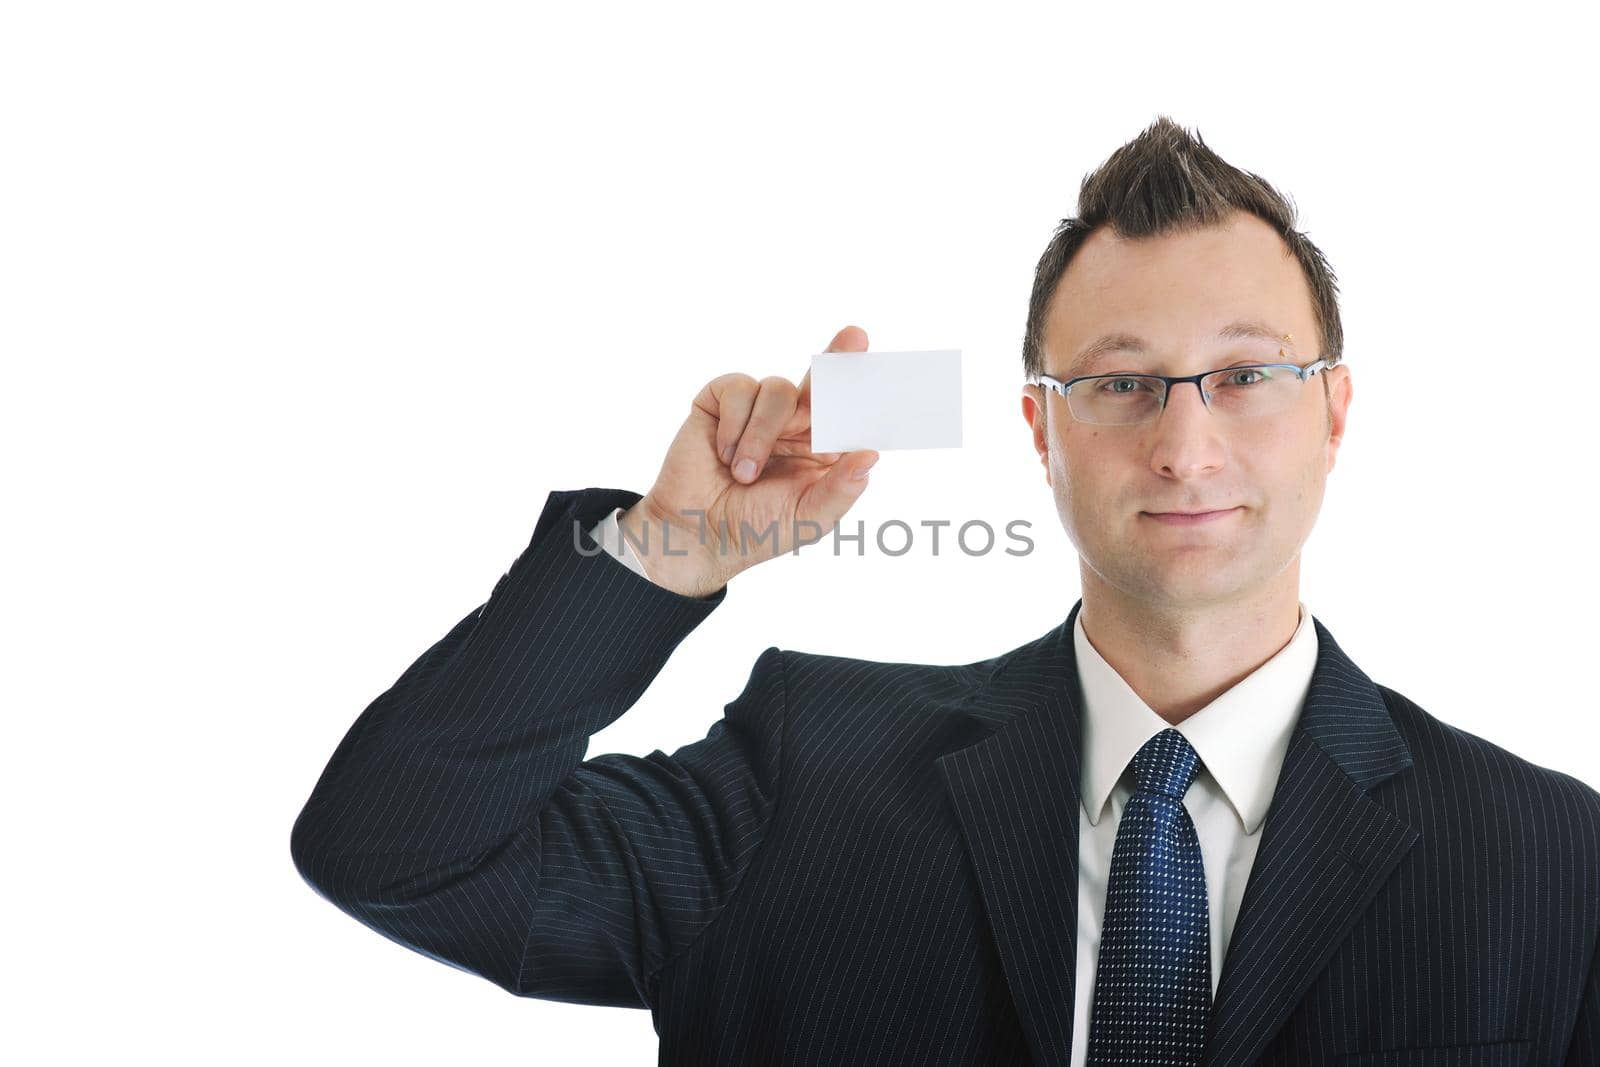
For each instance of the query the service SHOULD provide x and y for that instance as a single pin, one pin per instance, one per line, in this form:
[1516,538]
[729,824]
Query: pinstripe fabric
[876,863]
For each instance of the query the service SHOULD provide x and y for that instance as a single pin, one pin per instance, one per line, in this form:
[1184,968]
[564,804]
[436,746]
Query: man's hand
[744,459]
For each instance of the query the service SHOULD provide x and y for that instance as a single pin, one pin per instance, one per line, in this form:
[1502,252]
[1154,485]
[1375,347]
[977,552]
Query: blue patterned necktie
[1152,989]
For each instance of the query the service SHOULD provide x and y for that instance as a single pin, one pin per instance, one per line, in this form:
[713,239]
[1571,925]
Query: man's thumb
[828,500]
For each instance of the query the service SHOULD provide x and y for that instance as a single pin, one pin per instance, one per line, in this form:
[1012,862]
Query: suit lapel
[1325,851]
[1015,793]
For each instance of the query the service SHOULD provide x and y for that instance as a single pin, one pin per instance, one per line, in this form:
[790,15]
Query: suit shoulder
[832,670]
[1458,762]
[887,706]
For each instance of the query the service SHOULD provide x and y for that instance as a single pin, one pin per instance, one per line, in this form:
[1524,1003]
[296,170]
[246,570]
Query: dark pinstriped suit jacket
[876,863]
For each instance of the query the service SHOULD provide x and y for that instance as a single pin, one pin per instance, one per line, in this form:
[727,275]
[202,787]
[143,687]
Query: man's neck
[1179,659]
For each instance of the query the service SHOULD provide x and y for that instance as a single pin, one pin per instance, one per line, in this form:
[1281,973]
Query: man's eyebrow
[1239,330]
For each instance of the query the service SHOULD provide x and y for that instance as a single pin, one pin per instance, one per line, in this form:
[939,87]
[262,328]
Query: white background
[305,308]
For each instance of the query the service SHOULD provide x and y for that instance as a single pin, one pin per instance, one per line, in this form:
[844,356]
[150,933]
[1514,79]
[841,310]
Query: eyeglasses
[1246,391]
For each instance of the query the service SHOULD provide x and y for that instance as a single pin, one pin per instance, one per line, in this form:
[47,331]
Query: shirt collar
[1241,736]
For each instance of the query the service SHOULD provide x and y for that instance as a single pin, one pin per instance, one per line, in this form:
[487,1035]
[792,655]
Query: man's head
[1171,247]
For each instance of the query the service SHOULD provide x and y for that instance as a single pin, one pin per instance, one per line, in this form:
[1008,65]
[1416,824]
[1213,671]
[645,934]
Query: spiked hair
[1165,181]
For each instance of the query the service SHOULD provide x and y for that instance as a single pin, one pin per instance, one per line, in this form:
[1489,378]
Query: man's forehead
[1244,250]
[1237,226]
[1236,284]
[1252,338]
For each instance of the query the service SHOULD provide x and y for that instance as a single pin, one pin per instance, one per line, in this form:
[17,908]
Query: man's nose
[1185,403]
[1187,434]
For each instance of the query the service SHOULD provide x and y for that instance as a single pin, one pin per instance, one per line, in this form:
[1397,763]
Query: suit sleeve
[458,817]
[1585,1049]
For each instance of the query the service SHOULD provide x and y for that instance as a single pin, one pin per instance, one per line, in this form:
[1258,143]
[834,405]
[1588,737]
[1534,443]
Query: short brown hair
[1164,181]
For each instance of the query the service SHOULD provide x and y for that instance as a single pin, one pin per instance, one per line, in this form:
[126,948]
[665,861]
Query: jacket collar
[1327,847]
[1238,735]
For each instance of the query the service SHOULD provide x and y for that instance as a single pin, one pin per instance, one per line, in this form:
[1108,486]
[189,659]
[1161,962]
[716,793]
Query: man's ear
[1035,412]
[1338,389]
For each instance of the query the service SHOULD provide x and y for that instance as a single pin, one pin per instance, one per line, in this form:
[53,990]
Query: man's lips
[1189,518]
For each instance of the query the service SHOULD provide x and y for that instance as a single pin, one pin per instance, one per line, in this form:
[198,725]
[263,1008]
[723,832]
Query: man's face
[1175,293]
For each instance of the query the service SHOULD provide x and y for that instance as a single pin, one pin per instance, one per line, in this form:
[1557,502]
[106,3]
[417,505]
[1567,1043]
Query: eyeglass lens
[1237,392]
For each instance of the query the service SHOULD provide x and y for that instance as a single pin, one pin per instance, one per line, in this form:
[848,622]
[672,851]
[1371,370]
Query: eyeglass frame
[1056,385]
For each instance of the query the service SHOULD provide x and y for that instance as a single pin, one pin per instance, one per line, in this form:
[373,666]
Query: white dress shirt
[609,534]
[1241,738]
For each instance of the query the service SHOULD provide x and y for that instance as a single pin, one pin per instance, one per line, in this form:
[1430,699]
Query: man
[1180,827]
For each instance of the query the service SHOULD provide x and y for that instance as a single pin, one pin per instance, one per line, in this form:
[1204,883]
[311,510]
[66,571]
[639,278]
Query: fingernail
[727,454]
[745,468]
[860,472]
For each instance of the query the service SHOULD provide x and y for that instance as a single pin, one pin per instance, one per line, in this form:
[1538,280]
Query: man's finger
[734,396]
[849,339]
[775,406]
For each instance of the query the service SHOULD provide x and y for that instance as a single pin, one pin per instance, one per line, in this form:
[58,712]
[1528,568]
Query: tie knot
[1165,764]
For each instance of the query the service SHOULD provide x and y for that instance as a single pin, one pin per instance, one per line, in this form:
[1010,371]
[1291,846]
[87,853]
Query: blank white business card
[883,400]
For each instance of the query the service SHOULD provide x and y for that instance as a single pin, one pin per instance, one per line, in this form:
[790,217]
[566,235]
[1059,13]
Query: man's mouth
[1189,518]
